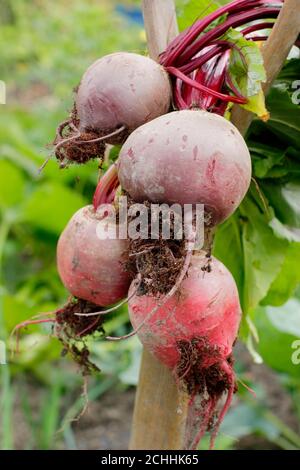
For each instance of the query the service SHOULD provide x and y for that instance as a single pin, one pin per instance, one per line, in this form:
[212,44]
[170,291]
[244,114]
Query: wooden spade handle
[160,24]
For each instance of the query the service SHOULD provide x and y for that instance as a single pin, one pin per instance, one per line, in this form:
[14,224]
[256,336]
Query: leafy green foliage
[284,121]
[51,206]
[287,280]
[10,177]
[229,248]
[279,328]
[263,255]
[261,243]
[189,11]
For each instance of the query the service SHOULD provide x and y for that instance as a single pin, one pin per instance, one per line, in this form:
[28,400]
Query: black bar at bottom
[134,459]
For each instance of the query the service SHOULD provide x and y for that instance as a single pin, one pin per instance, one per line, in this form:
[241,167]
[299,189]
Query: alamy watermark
[296,354]
[151,222]
[296,94]
[2,92]
[2,353]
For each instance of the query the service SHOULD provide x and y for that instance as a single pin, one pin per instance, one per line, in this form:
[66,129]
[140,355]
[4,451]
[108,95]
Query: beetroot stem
[220,46]
[216,79]
[231,85]
[106,188]
[258,38]
[212,76]
[198,86]
[171,53]
[233,22]
[180,103]
[257,27]
[186,38]
[199,61]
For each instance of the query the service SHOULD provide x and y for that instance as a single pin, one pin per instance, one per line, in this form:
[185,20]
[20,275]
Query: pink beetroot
[187,157]
[117,94]
[193,334]
[122,89]
[92,268]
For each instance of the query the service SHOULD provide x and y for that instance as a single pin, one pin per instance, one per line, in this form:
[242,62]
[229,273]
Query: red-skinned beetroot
[187,157]
[122,89]
[91,265]
[193,334]
[117,94]
[92,268]
[207,306]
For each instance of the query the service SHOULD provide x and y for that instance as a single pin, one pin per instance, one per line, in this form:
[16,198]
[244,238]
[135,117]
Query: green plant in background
[43,55]
[44,51]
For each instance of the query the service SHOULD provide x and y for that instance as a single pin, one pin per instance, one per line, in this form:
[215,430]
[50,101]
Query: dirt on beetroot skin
[69,143]
[159,261]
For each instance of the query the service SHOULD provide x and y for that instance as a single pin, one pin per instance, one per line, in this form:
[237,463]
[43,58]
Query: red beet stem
[179,101]
[231,85]
[256,4]
[176,47]
[177,73]
[211,75]
[194,56]
[216,78]
[221,108]
[186,38]
[106,188]
[258,38]
[232,45]
[257,27]
[233,22]
[199,61]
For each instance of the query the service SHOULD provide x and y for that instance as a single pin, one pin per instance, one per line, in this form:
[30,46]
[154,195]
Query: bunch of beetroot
[183,303]
[122,91]
[191,321]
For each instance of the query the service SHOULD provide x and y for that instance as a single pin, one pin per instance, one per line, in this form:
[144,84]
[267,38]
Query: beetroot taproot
[187,157]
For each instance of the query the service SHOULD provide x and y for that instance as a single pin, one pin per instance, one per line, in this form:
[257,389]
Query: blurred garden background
[45,46]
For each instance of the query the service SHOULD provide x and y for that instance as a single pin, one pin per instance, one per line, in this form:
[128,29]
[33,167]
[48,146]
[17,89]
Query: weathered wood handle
[160,24]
